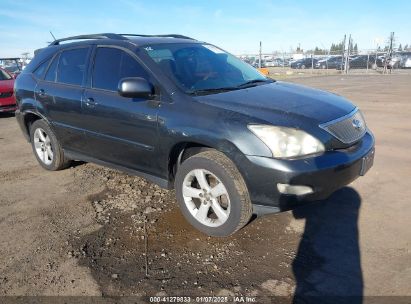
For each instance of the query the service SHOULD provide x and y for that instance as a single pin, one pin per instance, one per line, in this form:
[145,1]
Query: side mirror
[135,87]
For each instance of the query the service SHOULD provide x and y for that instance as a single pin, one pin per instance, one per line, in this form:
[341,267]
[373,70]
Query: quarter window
[111,65]
[52,71]
[39,72]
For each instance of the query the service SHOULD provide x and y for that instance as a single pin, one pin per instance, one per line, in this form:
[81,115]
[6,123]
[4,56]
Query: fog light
[296,190]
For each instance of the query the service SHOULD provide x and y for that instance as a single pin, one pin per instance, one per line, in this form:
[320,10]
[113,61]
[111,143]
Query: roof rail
[92,36]
[162,35]
[115,36]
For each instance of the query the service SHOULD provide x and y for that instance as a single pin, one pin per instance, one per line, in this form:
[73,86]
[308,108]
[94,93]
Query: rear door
[119,130]
[60,93]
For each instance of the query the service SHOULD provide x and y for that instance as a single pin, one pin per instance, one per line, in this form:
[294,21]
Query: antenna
[52,36]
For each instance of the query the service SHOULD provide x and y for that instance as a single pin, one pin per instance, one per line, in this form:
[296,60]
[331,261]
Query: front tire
[46,147]
[212,194]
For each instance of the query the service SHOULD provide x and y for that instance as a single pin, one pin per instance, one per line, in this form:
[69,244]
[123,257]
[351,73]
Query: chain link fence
[332,62]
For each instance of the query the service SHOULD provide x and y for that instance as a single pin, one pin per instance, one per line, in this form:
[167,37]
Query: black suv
[186,114]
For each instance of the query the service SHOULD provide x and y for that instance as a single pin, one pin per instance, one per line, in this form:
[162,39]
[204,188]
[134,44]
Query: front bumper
[8,104]
[325,174]
[10,108]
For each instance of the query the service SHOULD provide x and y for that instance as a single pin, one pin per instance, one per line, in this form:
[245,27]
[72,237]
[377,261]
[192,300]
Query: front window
[200,68]
[111,65]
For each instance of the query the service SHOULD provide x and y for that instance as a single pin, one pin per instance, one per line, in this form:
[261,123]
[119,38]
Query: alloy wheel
[42,145]
[206,197]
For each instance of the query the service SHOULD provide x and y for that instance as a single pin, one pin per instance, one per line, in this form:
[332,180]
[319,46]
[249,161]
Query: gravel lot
[89,230]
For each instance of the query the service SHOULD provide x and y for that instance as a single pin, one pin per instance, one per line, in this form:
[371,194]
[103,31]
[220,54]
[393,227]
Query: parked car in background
[282,62]
[12,65]
[7,100]
[270,63]
[365,61]
[329,63]
[405,62]
[13,70]
[247,60]
[305,63]
[394,61]
[275,63]
[256,64]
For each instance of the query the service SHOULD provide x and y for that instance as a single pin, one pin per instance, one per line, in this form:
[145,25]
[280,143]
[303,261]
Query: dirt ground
[89,230]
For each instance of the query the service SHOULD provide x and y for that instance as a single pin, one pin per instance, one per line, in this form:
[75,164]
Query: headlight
[287,142]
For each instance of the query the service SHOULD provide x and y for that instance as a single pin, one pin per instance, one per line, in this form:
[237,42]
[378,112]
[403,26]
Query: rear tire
[46,147]
[212,194]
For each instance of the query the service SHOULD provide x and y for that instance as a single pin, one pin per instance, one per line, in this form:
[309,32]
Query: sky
[235,25]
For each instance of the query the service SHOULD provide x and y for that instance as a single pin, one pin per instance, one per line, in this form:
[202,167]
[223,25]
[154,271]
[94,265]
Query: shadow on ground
[328,258]
[6,114]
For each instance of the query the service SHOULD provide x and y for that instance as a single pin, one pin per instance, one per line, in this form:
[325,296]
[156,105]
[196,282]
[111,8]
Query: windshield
[12,68]
[203,67]
[4,75]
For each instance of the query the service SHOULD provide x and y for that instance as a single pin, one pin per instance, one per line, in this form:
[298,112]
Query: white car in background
[405,62]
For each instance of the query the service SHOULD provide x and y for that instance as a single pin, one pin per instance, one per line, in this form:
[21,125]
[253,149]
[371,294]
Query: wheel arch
[183,150]
[29,118]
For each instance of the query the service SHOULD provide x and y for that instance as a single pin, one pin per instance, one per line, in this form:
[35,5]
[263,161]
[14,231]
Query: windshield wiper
[226,89]
[253,82]
[212,90]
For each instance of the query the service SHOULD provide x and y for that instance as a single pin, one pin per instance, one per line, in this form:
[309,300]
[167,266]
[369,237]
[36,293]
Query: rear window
[72,66]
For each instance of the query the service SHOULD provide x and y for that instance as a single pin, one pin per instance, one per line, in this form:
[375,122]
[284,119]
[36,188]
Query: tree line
[337,48]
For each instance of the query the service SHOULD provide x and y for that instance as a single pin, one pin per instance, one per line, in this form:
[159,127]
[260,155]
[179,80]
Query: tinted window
[72,66]
[52,71]
[111,65]
[4,75]
[39,72]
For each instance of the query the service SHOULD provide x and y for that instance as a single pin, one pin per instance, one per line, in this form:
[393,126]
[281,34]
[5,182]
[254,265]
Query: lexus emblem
[357,124]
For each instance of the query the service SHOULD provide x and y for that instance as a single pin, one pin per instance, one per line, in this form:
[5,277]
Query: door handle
[90,102]
[41,93]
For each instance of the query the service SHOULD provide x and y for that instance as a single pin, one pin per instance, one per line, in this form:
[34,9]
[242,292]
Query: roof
[135,38]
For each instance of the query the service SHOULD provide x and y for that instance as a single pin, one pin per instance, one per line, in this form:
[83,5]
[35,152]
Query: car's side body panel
[61,103]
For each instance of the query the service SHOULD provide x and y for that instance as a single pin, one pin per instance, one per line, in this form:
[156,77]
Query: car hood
[6,85]
[282,103]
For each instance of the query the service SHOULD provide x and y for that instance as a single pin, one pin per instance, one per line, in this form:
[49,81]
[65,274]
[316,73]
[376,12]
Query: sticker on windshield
[214,49]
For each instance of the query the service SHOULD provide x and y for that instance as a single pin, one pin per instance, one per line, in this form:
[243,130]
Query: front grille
[5,94]
[348,129]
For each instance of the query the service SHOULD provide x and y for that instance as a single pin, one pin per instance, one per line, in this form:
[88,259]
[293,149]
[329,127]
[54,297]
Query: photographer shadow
[327,266]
